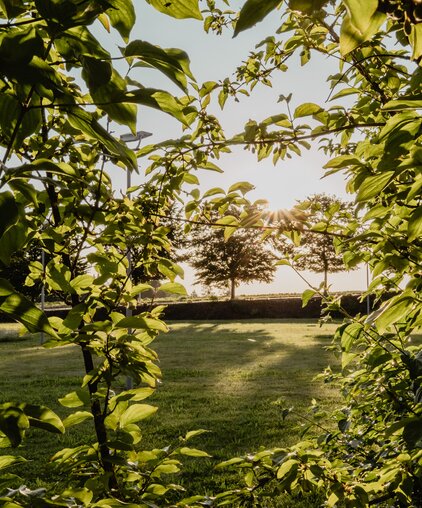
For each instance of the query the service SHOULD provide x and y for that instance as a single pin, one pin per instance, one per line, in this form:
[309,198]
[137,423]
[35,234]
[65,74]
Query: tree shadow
[233,380]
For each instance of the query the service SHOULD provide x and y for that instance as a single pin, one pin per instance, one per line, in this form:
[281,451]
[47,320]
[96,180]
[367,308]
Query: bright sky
[216,57]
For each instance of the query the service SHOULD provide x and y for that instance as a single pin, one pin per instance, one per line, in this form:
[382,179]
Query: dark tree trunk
[232,289]
[325,261]
[100,428]
[325,282]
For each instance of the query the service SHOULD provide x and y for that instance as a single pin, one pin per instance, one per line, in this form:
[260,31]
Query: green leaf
[10,460]
[306,296]
[288,469]
[140,288]
[361,12]
[77,41]
[414,229]
[404,103]
[179,9]
[143,323]
[42,417]
[252,12]
[307,109]
[22,310]
[110,97]
[416,40]
[12,241]
[13,423]
[244,187]
[12,8]
[346,358]
[350,335]
[230,225]
[82,281]
[96,72]
[306,6]
[412,433]
[158,99]
[361,23]
[283,262]
[12,110]
[135,413]
[173,287]
[58,277]
[213,192]
[76,418]
[75,399]
[9,212]
[174,63]
[343,425]
[134,395]
[82,494]
[194,433]
[156,489]
[74,316]
[374,185]
[342,161]
[122,17]
[395,310]
[59,168]
[86,123]
[193,452]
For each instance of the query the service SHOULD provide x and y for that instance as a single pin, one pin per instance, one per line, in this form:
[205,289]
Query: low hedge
[271,308]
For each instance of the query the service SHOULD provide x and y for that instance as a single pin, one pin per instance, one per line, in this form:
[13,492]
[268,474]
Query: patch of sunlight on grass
[224,376]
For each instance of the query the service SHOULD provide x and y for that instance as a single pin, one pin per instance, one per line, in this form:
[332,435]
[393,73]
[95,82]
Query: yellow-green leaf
[252,12]
[179,9]
[361,12]
[122,17]
[415,225]
[20,309]
[350,35]
[373,185]
[43,418]
[404,103]
[307,109]
[416,41]
[287,467]
[306,6]
[395,310]
[174,63]
[76,418]
[10,460]
[193,452]
[135,413]
[173,287]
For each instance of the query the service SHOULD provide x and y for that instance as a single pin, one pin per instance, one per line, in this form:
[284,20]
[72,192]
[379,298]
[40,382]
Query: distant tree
[317,250]
[221,262]
[18,270]
[166,243]
[29,282]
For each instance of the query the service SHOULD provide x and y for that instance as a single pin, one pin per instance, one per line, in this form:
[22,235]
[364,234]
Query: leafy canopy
[57,148]
[226,262]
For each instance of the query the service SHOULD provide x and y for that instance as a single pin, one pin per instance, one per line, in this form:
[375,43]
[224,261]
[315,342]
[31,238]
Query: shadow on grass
[230,378]
[233,379]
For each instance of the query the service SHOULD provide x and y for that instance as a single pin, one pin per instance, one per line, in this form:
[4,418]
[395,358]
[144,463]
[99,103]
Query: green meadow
[231,378]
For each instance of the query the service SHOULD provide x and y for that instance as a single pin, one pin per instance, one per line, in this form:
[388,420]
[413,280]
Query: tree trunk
[325,281]
[232,289]
[325,261]
[100,428]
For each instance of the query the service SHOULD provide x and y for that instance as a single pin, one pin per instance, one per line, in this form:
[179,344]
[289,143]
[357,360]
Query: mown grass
[227,377]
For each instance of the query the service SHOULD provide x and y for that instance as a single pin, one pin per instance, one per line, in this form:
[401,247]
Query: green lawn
[226,377]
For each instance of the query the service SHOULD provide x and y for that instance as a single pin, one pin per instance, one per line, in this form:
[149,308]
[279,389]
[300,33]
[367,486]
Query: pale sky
[216,57]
